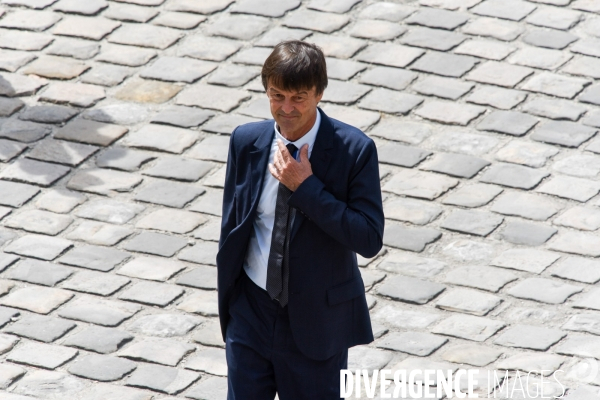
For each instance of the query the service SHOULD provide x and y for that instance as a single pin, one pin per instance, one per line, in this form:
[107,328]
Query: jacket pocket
[345,291]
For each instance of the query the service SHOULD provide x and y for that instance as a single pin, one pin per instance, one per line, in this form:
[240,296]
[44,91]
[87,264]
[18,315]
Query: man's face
[294,111]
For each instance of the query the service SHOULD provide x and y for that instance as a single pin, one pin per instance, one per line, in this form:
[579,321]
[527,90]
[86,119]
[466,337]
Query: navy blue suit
[338,214]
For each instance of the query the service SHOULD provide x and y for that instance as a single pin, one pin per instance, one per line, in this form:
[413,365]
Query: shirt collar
[309,138]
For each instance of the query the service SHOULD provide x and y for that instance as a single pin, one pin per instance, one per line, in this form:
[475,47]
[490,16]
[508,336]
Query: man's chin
[287,120]
[286,125]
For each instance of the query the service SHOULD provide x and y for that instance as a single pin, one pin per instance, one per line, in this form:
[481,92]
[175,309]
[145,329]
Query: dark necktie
[278,264]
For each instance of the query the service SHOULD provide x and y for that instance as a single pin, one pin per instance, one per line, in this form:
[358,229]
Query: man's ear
[319,97]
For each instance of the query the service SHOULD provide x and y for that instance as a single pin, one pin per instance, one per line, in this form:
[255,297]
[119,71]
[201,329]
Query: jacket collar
[319,160]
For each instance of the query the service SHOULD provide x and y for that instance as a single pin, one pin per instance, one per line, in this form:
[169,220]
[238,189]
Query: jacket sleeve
[228,220]
[357,222]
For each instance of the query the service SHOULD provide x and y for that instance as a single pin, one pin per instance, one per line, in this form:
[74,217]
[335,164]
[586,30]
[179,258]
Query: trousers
[262,357]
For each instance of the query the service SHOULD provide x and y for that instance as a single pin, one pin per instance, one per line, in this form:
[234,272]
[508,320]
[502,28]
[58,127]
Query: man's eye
[298,99]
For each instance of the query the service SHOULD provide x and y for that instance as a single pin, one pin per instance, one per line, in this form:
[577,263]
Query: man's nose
[287,106]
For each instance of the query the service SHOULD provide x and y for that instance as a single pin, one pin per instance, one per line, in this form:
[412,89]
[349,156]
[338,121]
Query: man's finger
[278,158]
[304,153]
[282,149]
[273,171]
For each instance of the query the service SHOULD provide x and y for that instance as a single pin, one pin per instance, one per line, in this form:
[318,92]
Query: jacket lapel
[319,160]
[259,158]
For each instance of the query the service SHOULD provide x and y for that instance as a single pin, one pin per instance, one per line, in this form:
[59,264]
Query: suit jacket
[338,213]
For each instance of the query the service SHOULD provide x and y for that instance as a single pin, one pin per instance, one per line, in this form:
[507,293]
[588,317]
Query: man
[301,198]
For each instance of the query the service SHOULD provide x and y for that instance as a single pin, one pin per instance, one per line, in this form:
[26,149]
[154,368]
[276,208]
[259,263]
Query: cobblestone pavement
[115,118]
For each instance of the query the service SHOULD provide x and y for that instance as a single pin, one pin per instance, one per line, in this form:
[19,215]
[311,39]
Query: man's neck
[291,138]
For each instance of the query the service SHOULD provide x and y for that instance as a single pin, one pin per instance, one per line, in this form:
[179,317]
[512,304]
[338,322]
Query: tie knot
[292,149]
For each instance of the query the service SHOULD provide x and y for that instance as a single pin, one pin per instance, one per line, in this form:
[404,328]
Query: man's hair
[295,65]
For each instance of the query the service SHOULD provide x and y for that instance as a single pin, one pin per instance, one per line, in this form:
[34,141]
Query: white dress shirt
[259,247]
